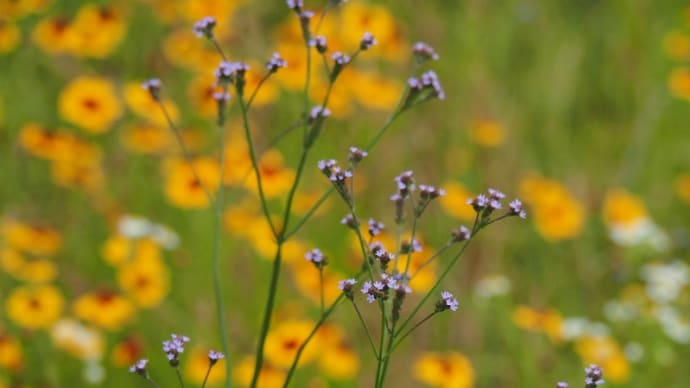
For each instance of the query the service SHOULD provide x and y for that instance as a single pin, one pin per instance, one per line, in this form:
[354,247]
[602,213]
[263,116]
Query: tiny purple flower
[594,376]
[562,384]
[368,40]
[516,209]
[340,58]
[153,86]
[423,52]
[139,367]
[204,27]
[320,43]
[319,111]
[447,302]
[375,227]
[460,234]
[349,220]
[174,347]
[346,283]
[221,96]
[357,154]
[214,356]
[275,63]
[317,258]
[295,4]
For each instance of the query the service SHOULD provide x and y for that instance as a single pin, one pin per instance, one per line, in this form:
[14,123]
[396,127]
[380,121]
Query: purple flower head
[368,40]
[317,258]
[375,227]
[594,376]
[516,209]
[319,111]
[407,247]
[174,347]
[405,183]
[214,356]
[461,234]
[153,86]
[428,192]
[447,302]
[340,58]
[423,52]
[139,367]
[383,256]
[295,4]
[357,154]
[326,166]
[275,63]
[346,286]
[495,194]
[478,203]
[562,384]
[320,43]
[349,220]
[221,96]
[227,72]
[495,204]
[338,175]
[204,27]
[430,80]
[414,83]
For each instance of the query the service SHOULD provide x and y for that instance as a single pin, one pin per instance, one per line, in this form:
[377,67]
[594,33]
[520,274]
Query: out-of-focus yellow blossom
[269,90]
[375,91]
[10,36]
[54,35]
[679,83]
[547,321]
[11,355]
[677,45]
[292,76]
[145,280]
[141,103]
[358,18]
[200,91]
[337,359]
[91,103]
[37,271]
[147,138]
[487,133]
[183,48]
[455,201]
[261,238]
[605,352]
[557,214]
[34,306]
[305,201]
[276,179]
[341,100]
[222,10]
[98,30]
[126,352]
[285,338]
[45,143]
[16,9]
[682,186]
[196,366]
[78,340]
[118,250]
[622,208]
[239,216]
[33,239]
[78,175]
[187,186]
[238,163]
[446,370]
[269,375]
[308,281]
[104,309]
[11,261]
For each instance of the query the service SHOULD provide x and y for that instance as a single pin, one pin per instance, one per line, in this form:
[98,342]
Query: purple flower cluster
[153,86]
[340,58]
[320,43]
[139,367]
[319,112]
[350,221]
[424,52]
[346,285]
[275,63]
[405,183]
[381,254]
[461,234]
[427,81]
[367,42]
[594,376]
[427,192]
[407,247]
[174,347]
[447,302]
[295,4]
[357,154]
[487,203]
[214,356]
[228,72]
[317,258]
[516,208]
[379,289]
[334,173]
[375,227]
[204,27]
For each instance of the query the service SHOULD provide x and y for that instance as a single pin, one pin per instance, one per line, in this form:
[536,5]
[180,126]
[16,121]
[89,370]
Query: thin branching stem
[420,323]
[179,377]
[208,372]
[366,329]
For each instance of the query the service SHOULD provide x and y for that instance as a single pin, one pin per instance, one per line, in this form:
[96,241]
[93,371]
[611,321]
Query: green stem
[366,329]
[430,259]
[400,340]
[179,377]
[256,90]
[150,380]
[208,372]
[275,275]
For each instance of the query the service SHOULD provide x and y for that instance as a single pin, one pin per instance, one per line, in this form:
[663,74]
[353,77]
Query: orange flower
[126,352]
[622,208]
[147,138]
[91,103]
[557,214]
[269,375]
[276,179]
[679,83]
[104,309]
[34,307]
[146,280]
[455,201]
[605,352]
[197,364]
[11,355]
[487,133]
[187,186]
[140,102]
[54,35]
[682,186]
[33,239]
[446,370]
[285,338]
[547,321]
[99,29]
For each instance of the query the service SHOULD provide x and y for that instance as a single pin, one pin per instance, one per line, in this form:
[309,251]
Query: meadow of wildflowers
[308,193]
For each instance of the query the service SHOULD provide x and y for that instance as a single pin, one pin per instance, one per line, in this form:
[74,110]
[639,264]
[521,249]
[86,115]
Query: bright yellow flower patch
[187,187]
[269,375]
[104,309]
[196,366]
[446,370]
[285,338]
[34,307]
[145,280]
[90,103]
[11,354]
[557,214]
[10,36]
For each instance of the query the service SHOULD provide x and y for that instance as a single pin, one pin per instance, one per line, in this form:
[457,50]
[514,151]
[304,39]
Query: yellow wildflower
[98,30]
[11,355]
[147,138]
[285,338]
[145,280]
[276,179]
[104,309]
[141,103]
[622,208]
[126,352]
[33,239]
[455,201]
[90,103]
[679,83]
[54,35]
[446,370]
[487,133]
[187,186]
[677,45]
[9,36]
[557,214]
[269,375]
[337,359]
[34,307]
[548,321]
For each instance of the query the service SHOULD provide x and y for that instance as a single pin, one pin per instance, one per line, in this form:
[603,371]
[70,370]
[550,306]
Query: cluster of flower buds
[461,234]
[485,204]
[407,247]
[379,289]
[214,356]
[204,27]
[153,86]
[423,52]
[350,221]
[317,116]
[174,347]
[231,73]
[427,193]
[356,155]
[380,254]
[367,42]
[337,175]
[340,60]
[275,63]
[425,87]
[405,185]
[320,43]
[316,257]
[375,227]
[594,376]
[139,368]
[346,286]
[447,302]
